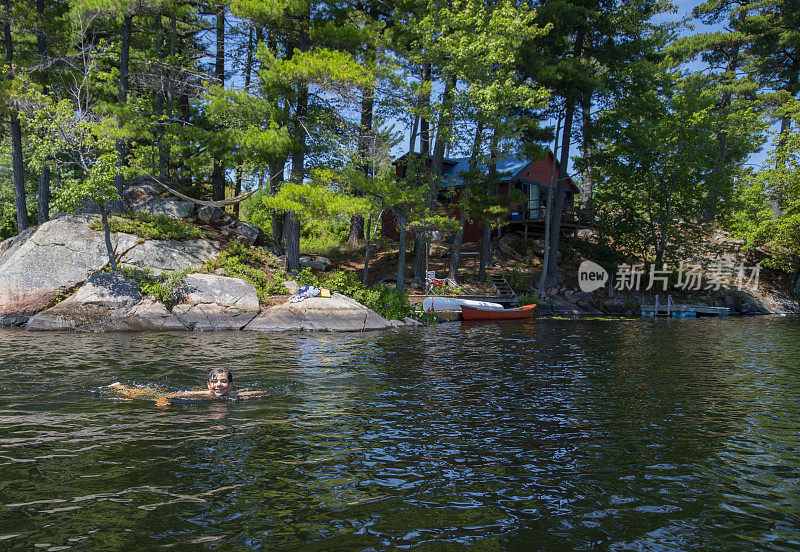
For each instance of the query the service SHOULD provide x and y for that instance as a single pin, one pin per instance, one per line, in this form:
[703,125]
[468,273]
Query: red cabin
[531,178]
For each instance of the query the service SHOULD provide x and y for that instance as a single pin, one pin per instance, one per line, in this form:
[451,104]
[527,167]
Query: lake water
[545,435]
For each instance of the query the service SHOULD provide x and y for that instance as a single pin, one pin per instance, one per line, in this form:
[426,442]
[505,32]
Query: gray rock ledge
[337,313]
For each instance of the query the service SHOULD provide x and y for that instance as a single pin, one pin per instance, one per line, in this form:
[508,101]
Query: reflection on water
[550,435]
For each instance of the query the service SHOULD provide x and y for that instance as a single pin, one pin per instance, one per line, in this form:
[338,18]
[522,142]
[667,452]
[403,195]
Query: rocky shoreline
[51,279]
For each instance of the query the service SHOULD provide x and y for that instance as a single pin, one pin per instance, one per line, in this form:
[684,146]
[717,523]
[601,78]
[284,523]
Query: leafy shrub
[151,227]
[161,286]
[444,289]
[529,299]
[240,261]
[520,282]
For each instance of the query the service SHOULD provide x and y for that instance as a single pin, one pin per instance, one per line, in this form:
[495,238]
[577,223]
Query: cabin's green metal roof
[508,169]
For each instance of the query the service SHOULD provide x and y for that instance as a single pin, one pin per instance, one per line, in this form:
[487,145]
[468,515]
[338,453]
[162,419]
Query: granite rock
[337,313]
[171,207]
[104,297]
[208,302]
[166,255]
[54,258]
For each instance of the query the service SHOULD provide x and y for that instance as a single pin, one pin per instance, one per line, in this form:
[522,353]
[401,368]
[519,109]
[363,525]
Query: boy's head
[219,381]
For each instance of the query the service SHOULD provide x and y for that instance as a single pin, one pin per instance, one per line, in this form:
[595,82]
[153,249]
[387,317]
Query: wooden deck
[678,310]
[535,222]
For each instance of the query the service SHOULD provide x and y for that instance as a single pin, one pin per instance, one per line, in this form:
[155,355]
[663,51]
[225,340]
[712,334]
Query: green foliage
[599,251]
[319,198]
[655,164]
[444,289]
[529,299]
[388,302]
[769,215]
[250,264]
[162,287]
[81,144]
[151,227]
[519,281]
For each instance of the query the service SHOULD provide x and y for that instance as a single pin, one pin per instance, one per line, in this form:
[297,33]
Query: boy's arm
[247,394]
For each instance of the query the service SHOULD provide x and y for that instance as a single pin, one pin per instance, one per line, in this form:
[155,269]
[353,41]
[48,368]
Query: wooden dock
[681,310]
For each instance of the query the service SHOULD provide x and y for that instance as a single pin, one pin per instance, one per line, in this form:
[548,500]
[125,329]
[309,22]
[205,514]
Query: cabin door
[534,208]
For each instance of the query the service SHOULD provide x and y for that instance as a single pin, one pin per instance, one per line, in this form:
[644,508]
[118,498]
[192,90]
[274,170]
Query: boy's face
[220,384]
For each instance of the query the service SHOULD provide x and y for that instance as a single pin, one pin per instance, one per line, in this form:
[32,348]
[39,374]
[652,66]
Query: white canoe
[454,304]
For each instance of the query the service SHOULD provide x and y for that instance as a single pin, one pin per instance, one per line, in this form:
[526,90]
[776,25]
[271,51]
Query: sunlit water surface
[546,435]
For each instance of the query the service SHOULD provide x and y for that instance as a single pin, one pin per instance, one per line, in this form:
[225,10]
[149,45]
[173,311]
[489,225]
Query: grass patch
[151,227]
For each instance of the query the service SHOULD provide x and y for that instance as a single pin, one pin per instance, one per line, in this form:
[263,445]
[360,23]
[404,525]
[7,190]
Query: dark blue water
[548,435]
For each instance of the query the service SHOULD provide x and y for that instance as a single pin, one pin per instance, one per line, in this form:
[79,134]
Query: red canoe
[475,313]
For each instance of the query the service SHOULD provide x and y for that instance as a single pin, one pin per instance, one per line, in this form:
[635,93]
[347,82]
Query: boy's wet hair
[218,371]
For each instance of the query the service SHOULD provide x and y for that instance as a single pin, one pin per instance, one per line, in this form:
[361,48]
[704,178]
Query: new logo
[591,276]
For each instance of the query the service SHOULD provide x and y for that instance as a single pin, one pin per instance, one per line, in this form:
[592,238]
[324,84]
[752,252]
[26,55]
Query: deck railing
[571,215]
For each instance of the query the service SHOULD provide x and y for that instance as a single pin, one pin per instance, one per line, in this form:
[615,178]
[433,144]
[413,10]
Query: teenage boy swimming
[219,385]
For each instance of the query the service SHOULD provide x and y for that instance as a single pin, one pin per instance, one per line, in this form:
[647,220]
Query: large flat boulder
[211,302]
[337,313]
[167,255]
[106,302]
[93,304]
[54,258]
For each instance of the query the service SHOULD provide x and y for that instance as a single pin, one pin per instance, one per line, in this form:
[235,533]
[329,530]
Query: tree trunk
[425,101]
[365,150]
[298,159]
[16,134]
[218,181]
[237,189]
[435,172]
[560,192]
[19,176]
[402,221]
[709,212]
[158,100]
[587,184]
[486,252]
[292,233]
[420,263]
[458,242]
[486,235]
[368,247]
[164,148]
[793,87]
[548,217]
[218,174]
[112,258]
[278,219]
[248,69]
[412,138]
[43,207]
[248,64]
[122,99]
